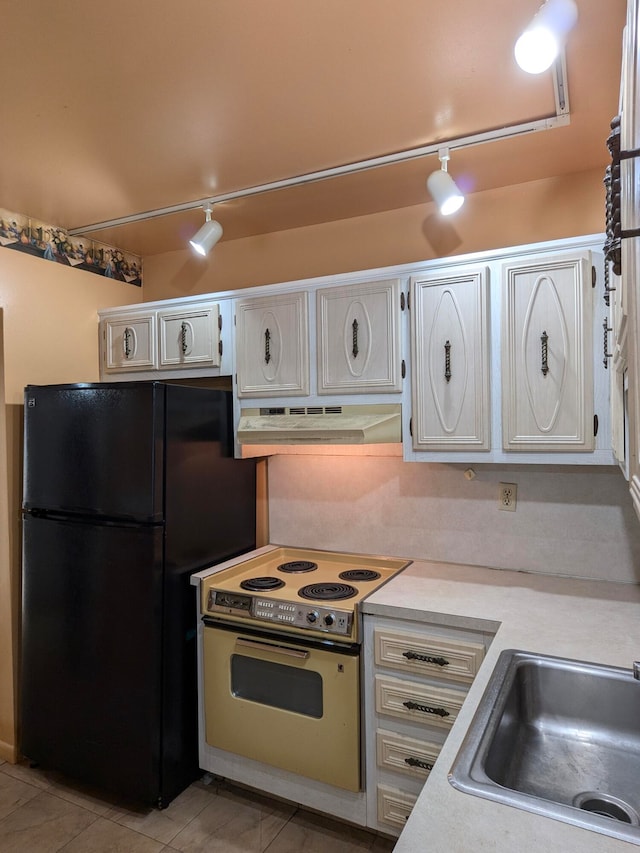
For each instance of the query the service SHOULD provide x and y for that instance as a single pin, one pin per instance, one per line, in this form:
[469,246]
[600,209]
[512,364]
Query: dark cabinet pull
[127,340]
[354,330]
[607,355]
[426,709]
[447,360]
[418,762]
[183,338]
[267,346]
[425,658]
[544,341]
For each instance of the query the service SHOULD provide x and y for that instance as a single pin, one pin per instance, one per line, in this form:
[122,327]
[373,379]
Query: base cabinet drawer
[416,702]
[416,678]
[428,655]
[394,806]
[406,754]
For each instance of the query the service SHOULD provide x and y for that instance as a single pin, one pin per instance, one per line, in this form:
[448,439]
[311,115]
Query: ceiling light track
[560,119]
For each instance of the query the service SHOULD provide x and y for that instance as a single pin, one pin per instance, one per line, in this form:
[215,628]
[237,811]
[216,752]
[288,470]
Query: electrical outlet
[507,497]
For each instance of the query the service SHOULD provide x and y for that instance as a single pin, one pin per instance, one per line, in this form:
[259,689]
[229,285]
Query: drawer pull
[418,762]
[426,709]
[425,658]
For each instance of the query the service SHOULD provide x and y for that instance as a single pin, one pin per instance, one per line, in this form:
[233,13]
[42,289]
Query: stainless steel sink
[557,737]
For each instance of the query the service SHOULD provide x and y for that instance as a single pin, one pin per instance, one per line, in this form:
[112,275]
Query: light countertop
[581,619]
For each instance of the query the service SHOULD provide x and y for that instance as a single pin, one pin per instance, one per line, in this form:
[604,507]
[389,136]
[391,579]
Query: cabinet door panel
[547,386]
[130,342]
[273,346]
[359,338]
[190,338]
[449,338]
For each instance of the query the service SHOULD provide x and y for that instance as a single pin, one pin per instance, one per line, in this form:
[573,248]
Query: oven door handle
[271,647]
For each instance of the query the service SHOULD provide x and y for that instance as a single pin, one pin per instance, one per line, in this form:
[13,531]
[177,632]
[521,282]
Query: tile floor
[43,813]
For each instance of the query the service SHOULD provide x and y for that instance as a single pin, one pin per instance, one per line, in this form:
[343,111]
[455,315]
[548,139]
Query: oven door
[293,705]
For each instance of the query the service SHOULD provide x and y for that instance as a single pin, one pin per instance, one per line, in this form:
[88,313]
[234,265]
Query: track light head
[208,235]
[539,45]
[443,188]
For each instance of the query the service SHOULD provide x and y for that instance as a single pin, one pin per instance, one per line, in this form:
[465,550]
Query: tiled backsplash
[573,522]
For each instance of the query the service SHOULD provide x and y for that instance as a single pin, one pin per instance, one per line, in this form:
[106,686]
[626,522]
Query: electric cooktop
[297,589]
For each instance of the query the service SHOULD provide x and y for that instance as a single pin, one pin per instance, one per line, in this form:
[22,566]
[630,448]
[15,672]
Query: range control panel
[306,616]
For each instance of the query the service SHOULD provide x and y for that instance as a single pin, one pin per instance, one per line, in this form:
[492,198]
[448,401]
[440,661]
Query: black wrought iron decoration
[183,338]
[615,233]
[447,360]
[354,339]
[612,183]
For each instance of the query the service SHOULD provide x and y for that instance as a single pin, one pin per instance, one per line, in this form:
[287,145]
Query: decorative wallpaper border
[51,243]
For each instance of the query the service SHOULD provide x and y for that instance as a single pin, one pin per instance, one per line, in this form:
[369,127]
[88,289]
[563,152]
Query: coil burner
[359,575]
[327,591]
[297,566]
[262,584]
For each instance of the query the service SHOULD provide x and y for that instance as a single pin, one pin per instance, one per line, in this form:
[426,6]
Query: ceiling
[111,109]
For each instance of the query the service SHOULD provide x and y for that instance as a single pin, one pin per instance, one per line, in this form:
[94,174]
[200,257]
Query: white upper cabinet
[450,360]
[129,342]
[272,345]
[359,346]
[175,338]
[190,337]
[547,354]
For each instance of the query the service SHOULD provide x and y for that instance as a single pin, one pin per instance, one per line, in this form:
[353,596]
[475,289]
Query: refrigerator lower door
[91,678]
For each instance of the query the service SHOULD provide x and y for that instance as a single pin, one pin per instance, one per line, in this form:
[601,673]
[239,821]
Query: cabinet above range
[357,342]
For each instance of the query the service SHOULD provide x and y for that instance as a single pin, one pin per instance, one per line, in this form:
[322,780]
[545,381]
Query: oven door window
[277,685]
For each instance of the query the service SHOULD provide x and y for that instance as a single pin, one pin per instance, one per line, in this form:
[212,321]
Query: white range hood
[380,424]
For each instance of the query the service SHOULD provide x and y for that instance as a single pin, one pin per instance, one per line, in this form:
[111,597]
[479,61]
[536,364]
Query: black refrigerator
[129,488]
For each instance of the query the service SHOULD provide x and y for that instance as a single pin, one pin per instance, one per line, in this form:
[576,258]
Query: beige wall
[50,335]
[542,210]
[575,522]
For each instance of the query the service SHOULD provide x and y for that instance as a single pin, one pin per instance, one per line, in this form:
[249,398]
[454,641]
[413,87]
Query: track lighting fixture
[443,188]
[208,235]
[559,119]
[539,45]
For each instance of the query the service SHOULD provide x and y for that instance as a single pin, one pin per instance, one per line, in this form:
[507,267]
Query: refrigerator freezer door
[95,449]
[92,653]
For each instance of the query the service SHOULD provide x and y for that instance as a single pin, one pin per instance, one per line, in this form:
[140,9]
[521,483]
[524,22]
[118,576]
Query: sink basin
[560,738]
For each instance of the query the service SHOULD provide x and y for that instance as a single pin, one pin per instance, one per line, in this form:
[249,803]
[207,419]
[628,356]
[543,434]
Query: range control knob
[329,619]
[312,616]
